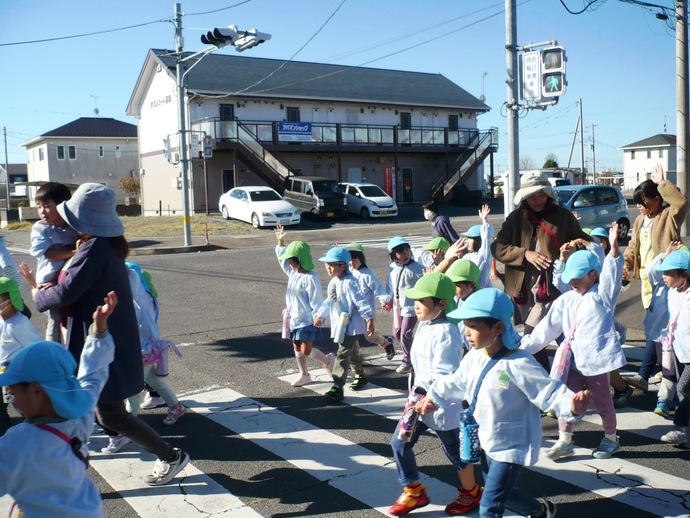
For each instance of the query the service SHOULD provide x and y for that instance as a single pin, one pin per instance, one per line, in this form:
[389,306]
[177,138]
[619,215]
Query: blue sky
[621,59]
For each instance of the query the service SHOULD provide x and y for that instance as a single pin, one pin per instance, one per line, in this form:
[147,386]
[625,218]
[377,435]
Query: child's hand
[484,213]
[318,321]
[580,402]
[613,239]
[429,269]
[27,275]
[370,327]
[387,306]
[567,250]
[658,174]
[100,316]
[425,406]
[577,216]
[280,234]
[672,247]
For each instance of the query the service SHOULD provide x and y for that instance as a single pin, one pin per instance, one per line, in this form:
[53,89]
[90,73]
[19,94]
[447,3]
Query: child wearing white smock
[479,239]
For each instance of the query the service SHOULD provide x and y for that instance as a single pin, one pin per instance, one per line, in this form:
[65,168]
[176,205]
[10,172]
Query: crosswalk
[348,467]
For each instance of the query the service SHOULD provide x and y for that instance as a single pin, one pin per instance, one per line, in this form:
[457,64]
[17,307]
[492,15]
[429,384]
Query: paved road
[260,447]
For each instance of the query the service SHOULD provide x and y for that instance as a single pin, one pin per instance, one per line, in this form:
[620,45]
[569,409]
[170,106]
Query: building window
[453,123]
[40,154]
[118,152]
[72,152]
[632,155]
[661,153]
[60,150]
[100,152]
[649,153]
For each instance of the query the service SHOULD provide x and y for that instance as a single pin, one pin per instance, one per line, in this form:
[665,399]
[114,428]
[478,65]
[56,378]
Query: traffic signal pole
[512,105]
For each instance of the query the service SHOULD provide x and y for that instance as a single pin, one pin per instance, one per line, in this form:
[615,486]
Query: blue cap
[678,260]
[580,264]
[599,232]
[52,366]
[397,241]
[491,303]
[336,255]
[473,231]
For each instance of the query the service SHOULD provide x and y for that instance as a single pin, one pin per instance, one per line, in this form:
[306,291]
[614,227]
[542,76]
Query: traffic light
[553,81]
[208,146]
[249,39]
[220,37]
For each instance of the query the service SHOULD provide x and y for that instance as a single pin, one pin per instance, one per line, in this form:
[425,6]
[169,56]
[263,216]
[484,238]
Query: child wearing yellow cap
[436,352]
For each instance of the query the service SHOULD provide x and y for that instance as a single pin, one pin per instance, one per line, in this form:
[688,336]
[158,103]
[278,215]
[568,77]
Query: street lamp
[218,38]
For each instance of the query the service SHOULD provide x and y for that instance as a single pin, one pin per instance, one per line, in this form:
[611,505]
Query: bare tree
[527,163]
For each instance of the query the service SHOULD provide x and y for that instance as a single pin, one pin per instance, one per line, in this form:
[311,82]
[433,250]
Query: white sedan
[259,205]
[368,200]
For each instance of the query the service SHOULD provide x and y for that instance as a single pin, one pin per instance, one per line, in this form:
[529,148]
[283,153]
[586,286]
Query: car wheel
[365,213]
[224,212]
[255,221]
[623,228]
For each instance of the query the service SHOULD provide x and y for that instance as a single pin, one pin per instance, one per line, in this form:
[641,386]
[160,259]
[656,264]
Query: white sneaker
[560,450]
[116,443]
[331,362]
[152,402]
[678,436]
[164,472]
[302,380]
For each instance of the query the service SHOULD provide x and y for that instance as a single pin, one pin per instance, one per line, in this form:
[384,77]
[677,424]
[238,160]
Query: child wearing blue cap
[403,273]
[591,349]
[478,239]
[59,409]
[507,388]
[346,306]
[436,352]
[675,274]
[304,296]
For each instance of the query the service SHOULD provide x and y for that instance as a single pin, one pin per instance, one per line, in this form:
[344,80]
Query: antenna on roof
[482,97]
[664,124]
[96,111]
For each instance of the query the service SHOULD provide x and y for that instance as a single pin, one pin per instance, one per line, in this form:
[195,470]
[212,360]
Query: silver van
[315,195]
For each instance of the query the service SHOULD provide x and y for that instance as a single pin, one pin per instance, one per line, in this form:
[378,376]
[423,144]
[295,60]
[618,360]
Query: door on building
[228,179]
[227,128]
[407,186]
[405,120]
[292,114]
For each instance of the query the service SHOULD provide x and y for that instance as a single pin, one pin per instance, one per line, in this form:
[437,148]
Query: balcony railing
[331,134]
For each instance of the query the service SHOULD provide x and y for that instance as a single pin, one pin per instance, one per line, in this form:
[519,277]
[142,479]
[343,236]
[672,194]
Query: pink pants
[601,397]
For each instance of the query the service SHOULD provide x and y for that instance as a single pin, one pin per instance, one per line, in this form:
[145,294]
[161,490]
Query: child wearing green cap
[304,296]
[505,388]
[16,332]
[436,352]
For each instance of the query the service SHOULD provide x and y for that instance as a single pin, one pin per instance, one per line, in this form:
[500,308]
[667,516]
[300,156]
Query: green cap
[356,247]
[11,287]
[301,251]
[438,243]
[437,285]
[587,230]
[464,270]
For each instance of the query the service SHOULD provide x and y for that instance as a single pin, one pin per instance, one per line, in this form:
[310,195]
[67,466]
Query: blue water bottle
[468,435]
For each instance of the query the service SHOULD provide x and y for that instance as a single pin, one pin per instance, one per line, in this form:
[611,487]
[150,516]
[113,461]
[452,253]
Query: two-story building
[89,149]
[641,157]
[415,134]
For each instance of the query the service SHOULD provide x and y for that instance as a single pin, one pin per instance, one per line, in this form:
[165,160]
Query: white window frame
[118,152]
[41,155]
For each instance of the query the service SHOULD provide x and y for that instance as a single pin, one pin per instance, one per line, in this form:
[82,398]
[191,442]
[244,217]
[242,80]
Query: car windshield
[264,195]
[326,187]
[564,195]
[372,191]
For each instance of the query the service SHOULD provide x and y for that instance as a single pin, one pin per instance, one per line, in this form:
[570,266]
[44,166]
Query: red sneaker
[464,502]
[412,498]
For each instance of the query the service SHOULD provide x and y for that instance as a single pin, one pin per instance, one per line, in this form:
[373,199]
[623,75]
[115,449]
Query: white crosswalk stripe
[348,467]
[415,242]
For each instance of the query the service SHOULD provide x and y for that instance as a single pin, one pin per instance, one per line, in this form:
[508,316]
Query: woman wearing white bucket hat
[528,243]
[98,267]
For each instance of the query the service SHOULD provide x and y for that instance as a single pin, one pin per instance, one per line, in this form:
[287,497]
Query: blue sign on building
[294,131]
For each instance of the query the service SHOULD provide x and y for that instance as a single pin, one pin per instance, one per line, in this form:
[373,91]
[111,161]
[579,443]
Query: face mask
[428,215]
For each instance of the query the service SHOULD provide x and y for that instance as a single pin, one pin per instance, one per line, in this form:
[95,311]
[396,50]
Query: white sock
[611,436]
[317,355]
[301,363]
[566,437]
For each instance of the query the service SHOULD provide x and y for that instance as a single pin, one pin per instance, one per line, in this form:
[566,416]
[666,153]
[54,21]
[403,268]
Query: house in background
[640,158]
[414,134]
[89,149]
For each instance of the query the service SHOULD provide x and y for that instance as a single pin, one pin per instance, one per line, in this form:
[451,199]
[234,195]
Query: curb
[175,250]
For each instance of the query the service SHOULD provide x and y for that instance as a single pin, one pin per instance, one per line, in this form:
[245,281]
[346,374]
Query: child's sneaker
[390,349]
[662,408]
[464,502]
[404,368]
[411,498]
[606,448]
[358,382]
[174,413]
[164,472]
[677,436]
[336,393]
[331,362]
[152,402]
[620,399]
[638,382]
[549,509]
[302,380]
[560,450]
[116,443]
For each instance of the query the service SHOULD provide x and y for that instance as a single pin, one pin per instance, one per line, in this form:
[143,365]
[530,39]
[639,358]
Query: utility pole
[7,173]
[594,158]
[512,101]
[682,161]
[582,147]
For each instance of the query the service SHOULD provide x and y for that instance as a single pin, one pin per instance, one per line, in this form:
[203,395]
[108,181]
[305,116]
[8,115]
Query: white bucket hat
[91,210]
[531,183]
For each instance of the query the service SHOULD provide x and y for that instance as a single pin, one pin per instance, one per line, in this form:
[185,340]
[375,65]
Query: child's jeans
[405,459]
[599,385]
[652,352]
[500,491]
[348,353]
[403,331]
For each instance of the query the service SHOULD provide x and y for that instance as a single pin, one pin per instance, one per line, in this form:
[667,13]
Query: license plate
[384,212]
[330,214]
[285,221]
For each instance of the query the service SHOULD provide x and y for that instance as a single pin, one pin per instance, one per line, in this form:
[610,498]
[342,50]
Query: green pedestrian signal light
[553,84]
